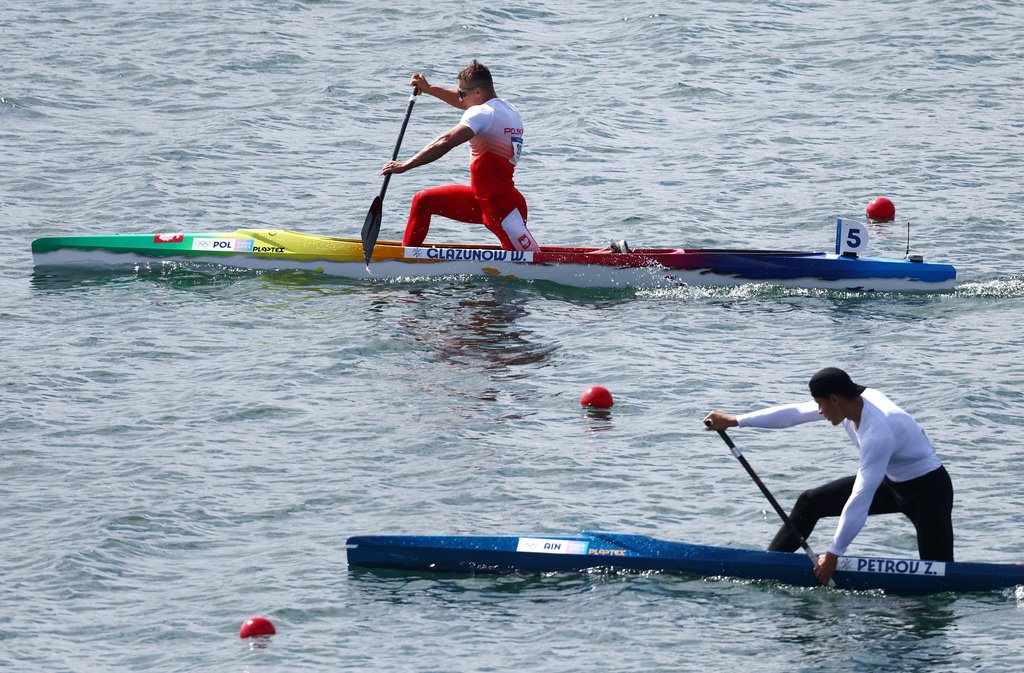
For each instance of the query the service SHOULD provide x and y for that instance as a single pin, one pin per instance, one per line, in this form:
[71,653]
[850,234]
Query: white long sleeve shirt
[890,441]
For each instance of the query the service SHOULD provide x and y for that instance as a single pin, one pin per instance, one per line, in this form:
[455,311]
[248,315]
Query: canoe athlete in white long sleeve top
[899,469]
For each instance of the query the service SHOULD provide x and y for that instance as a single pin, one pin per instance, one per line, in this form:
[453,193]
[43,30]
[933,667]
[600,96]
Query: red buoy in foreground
[881,209]
[597,397]
[256,626]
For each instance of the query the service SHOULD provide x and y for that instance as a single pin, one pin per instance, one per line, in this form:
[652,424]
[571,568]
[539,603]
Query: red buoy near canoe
[881,209]
[256,626]
[597,397]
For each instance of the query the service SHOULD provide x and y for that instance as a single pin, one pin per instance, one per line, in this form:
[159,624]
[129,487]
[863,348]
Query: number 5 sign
[851,237]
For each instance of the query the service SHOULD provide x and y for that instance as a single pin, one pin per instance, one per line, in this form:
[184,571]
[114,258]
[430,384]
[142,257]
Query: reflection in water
[184,275]
[172,274]
[467,589]
[872,630]
[473,326]
[598,420]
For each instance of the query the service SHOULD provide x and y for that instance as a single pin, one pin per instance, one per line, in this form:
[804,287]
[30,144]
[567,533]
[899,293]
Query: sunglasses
[465,92]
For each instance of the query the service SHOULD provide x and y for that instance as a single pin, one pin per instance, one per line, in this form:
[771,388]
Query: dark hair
[833,381]
[477,74]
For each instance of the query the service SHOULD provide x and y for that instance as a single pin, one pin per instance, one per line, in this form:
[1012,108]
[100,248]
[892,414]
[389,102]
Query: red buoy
[881,209]
[256,626]
[597,397]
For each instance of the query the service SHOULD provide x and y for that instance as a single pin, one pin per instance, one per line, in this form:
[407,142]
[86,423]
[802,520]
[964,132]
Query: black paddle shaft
[371,226]
[398,143]
[768,494]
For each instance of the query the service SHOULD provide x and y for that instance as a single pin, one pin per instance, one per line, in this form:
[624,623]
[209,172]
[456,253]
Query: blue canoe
[496,554]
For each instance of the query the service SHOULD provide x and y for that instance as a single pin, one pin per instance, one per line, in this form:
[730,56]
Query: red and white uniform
[491,198]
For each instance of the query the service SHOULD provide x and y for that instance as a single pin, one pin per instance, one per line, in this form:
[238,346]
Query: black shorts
[927,501]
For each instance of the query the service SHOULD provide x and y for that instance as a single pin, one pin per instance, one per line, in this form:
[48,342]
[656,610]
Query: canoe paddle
[371,227]
[793,530]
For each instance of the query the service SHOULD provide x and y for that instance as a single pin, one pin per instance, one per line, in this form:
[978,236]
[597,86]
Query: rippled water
[186,448]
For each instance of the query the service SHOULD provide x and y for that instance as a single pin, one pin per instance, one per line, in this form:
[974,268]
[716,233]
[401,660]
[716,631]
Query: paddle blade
[371,228]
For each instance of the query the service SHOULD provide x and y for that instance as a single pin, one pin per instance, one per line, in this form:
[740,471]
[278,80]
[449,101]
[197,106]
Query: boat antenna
[907,255]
